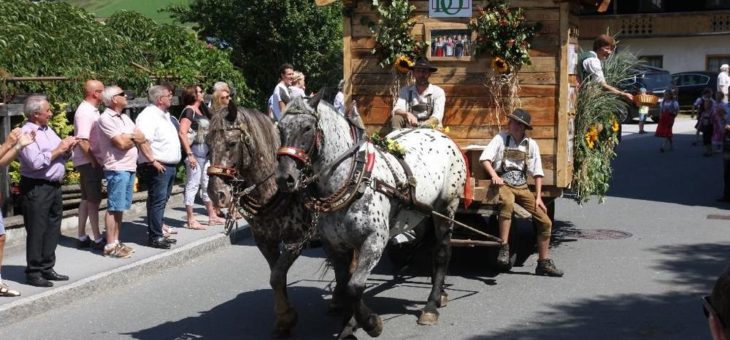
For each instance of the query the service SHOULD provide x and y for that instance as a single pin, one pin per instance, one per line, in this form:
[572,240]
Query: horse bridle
[230,173]
[299,154]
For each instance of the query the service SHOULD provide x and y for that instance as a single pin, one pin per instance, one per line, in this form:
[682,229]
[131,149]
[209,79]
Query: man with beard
[420,104]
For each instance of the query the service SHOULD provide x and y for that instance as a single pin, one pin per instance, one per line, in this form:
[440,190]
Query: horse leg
[369,254]
[279,264]
[340,263]
[286,315]
[442,255]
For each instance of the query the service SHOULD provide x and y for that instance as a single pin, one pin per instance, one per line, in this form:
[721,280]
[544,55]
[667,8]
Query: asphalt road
[635,266]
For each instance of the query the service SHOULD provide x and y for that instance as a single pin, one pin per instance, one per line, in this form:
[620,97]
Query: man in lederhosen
[420,104]
[509,158]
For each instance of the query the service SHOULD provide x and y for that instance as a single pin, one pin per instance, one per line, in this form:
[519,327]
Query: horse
[360,194]
[243,144]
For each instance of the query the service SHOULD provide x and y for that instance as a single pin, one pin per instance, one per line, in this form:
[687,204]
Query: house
[677,35]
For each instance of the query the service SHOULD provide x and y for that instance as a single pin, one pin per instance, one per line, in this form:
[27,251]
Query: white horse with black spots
[318,149]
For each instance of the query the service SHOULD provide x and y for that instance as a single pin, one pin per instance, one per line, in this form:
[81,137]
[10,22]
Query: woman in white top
[297,85]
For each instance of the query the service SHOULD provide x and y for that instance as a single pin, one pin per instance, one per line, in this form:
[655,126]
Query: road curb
[37,304]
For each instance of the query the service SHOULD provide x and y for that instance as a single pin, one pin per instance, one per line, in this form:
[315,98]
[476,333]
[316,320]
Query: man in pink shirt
[84,125]
[116,149]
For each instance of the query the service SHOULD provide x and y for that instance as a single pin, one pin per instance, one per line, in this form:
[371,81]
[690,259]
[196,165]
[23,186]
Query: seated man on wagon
[509,158]
[420,104]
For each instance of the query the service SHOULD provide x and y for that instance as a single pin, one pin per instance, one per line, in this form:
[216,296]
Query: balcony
[657,24]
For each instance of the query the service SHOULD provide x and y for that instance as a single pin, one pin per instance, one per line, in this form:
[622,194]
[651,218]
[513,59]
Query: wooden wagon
[547,87]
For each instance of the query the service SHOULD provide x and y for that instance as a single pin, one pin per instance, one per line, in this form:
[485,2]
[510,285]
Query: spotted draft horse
[243,146]
[363,196]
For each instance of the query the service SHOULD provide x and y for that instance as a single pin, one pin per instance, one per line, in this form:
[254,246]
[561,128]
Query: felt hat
[521,116]
[422,63]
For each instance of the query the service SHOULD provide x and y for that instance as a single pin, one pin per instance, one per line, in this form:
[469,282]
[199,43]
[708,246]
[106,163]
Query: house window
[715,61]
[653,60]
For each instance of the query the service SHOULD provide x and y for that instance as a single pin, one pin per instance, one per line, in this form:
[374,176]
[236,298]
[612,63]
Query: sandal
[216,221]
[194,226]
[168,229]
[7,292]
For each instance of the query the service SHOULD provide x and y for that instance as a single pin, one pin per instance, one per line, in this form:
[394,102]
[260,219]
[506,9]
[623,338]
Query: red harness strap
[293,152]
[221,171]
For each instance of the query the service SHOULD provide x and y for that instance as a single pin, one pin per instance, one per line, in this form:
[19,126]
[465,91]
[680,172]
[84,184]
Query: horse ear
[232,112]
[314,101]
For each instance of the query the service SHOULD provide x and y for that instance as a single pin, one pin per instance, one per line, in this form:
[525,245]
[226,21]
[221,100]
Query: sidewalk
[90,272]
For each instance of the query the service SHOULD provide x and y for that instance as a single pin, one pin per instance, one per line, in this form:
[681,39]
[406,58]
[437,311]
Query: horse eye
[307,128]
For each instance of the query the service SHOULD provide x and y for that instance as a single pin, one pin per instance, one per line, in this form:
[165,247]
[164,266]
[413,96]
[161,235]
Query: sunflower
[499,65]
[591,137]
[615,126]
[403,64]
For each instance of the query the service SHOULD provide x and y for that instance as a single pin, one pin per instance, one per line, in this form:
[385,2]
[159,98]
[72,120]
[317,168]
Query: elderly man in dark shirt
[42,170]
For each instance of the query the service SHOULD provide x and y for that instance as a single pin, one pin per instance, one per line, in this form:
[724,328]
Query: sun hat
[521,116]
[423,63]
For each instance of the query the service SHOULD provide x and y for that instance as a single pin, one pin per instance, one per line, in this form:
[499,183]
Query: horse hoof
[281,333]
[377,326]
[428,318]
[284,323]
[444,300]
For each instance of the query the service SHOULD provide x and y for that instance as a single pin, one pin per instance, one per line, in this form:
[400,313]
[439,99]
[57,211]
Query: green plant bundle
[393,32]
[597,127]
[503,32]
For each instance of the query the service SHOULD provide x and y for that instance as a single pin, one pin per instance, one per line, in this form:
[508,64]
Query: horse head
[300,141]
[239,142]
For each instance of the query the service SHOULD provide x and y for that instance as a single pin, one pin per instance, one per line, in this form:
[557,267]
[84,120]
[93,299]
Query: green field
[105,8]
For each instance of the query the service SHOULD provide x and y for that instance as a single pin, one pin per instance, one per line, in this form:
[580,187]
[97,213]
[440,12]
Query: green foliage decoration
[392,32]
[265,34]
[597,127]
[502,32]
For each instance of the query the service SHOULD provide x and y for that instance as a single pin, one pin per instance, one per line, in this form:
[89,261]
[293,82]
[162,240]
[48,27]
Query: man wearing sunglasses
[116,150]
[717,307]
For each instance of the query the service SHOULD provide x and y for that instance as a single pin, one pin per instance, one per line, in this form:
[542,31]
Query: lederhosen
[516,178]
[420,107]
[516,183]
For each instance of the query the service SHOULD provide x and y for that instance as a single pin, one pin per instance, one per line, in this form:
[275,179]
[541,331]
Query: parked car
[655,80]
[691,84]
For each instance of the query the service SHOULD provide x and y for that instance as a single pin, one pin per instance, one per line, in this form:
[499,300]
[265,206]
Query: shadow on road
[676,314]
[682,176]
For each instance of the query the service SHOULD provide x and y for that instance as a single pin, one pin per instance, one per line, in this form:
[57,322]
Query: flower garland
[503,34]
[389,145]
[394,46]
[597,128]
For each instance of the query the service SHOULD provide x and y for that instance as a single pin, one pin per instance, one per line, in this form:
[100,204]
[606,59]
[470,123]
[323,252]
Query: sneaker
[547,268]
[117,252]
[99,245]
[503,257]
[83,242]
[126,248]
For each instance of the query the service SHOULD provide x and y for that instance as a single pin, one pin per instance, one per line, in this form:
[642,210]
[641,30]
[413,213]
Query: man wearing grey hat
[509,158]
[420,104]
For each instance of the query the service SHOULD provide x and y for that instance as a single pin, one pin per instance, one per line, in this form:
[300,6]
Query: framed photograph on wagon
[449,41]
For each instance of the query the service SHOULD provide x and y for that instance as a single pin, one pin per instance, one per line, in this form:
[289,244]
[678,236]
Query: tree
[267,33]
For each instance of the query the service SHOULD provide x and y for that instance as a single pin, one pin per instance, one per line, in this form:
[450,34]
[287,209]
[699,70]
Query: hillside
[105,8]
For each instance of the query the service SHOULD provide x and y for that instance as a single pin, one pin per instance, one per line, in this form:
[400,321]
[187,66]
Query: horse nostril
[291,182]
[221,197]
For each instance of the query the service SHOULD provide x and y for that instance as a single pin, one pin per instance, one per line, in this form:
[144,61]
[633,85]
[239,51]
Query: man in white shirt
[281,95]
[158,160]
[723,81]
[509,158]
[420,104]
